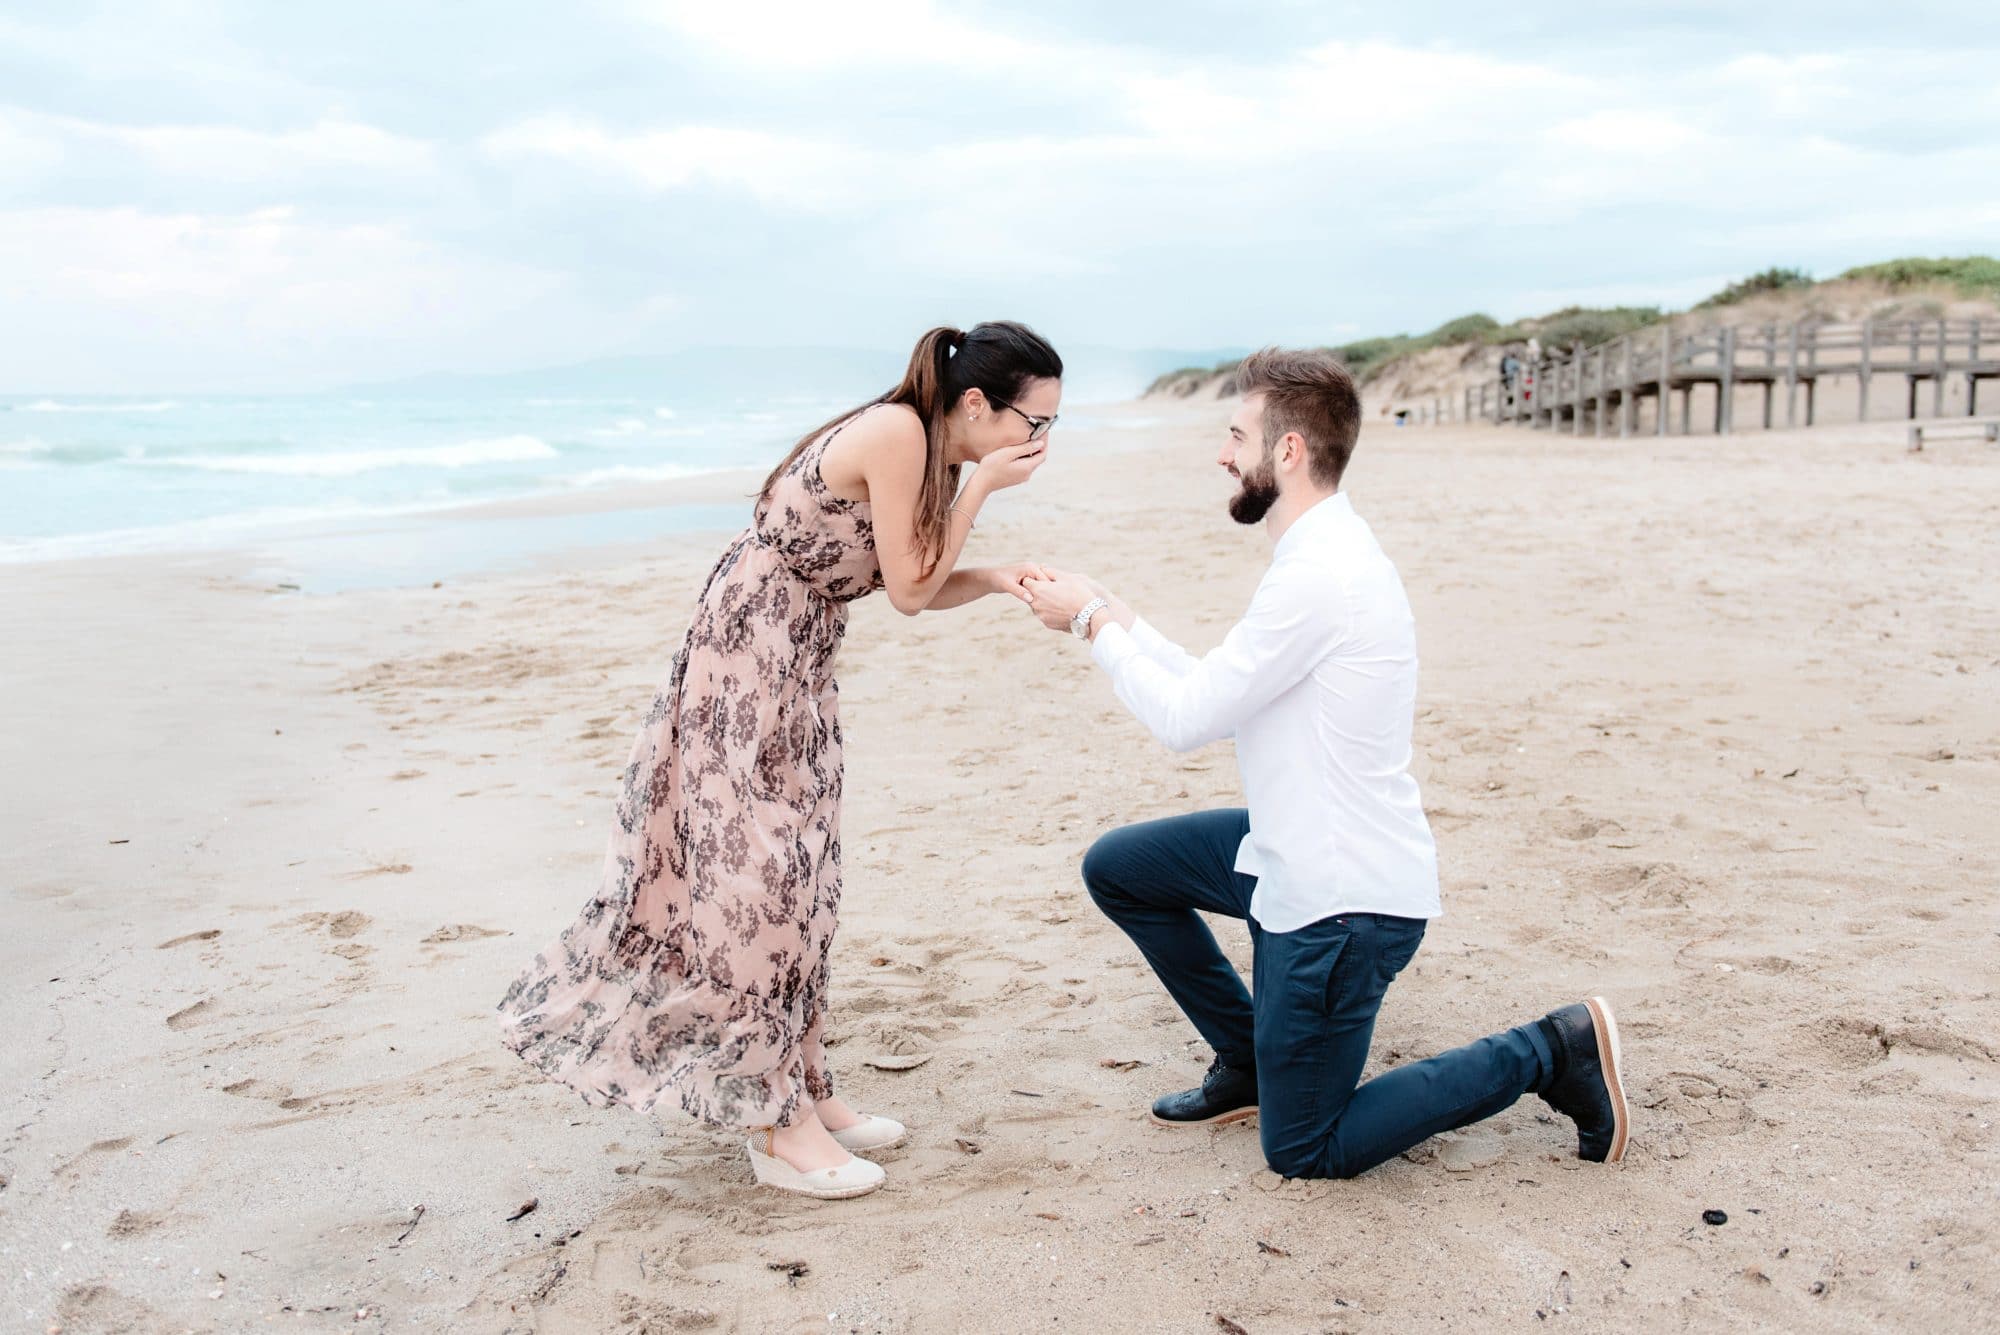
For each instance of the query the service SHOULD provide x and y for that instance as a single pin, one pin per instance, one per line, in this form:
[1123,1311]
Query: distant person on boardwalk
[696,975]
[1331,864]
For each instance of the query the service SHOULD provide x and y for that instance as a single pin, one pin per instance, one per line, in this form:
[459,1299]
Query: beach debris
[462,931]
[879,961]
[1714,1218]
[121,841]
[525,1209]
[1268,1249]
[1816,1288]
[416,1217]
[1791,773]
[1049,1215]
[898,1061]
[1150,1239]
[1027,1093]
[1232,1327]
[208,935]
[549,1282]
[1120,1063]
[965,1146]
[793,1271]
[1469,1151]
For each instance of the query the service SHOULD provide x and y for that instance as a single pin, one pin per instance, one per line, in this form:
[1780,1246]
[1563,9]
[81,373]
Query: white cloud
[232,152]
[219,153]
[778,168]
[807,34]
[1641,133]
[206,290]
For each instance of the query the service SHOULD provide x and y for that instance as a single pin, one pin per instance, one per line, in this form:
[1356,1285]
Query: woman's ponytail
[998,358]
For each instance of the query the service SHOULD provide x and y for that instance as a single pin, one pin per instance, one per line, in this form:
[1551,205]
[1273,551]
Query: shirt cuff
[1113,645]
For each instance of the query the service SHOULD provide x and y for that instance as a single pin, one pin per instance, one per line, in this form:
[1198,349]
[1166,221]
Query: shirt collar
[1322,514]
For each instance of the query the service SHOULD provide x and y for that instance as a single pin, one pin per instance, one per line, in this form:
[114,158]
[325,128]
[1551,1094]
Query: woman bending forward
[697,974]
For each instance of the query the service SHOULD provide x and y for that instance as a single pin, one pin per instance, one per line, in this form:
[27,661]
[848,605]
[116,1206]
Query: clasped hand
[1058,597]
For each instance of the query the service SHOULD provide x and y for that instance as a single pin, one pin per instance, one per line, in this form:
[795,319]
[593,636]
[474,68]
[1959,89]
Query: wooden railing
[1612,380]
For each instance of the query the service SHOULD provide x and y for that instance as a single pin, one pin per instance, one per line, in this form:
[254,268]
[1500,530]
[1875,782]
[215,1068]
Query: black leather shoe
[1227,1094]
[1588,1088]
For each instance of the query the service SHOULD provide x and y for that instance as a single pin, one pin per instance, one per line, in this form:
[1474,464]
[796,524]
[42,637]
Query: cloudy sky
[218,195]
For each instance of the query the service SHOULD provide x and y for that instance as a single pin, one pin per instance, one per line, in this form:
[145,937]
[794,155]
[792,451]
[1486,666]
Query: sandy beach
[1711,726]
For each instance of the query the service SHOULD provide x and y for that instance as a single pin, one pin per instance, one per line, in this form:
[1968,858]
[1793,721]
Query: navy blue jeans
[1306,1021]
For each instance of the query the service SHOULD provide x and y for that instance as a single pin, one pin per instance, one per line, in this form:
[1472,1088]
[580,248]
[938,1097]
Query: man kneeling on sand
[1332,865]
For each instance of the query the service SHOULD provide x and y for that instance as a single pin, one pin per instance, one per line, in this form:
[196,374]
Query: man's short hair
[1306,390]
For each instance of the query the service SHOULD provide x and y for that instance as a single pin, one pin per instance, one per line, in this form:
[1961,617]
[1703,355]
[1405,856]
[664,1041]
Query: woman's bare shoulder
[893,424]
[883,435]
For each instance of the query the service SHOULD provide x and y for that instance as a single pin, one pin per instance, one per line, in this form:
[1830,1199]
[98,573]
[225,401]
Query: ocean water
[106,476]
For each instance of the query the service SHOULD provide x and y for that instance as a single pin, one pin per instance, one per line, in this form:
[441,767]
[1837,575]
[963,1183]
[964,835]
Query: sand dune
[1709,726]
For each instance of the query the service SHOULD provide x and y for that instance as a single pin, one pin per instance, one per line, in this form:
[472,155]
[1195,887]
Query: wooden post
[1601,401]
[1687,409]
[1972,378]
[1576,364]
[1597,403]
[1911,374]
[1867,354]
[1665,400]
[1725,403]
[1812,371]
[1770,360]
[1792,377]
[1937,381]
[1624,386]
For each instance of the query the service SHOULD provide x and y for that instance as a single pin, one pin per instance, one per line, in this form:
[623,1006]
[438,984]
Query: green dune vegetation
[1973,277]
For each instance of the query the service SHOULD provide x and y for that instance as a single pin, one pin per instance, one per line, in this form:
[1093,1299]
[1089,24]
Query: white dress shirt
[1318,685]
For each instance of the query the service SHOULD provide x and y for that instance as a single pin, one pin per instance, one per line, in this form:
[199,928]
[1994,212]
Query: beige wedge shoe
[872,1133]
[856,1177]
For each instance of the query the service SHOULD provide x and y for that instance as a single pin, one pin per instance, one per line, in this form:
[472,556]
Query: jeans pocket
[1396,955]
[1314,956]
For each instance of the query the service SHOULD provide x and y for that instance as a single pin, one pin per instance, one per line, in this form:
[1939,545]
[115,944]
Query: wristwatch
[1079,625]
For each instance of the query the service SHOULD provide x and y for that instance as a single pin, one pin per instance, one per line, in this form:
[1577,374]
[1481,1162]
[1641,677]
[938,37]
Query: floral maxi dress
[698,972]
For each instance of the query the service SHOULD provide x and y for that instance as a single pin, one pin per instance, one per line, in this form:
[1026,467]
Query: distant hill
[1467,350]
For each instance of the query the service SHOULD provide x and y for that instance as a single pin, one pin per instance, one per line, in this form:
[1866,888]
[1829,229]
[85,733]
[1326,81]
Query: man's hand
[1060,597]
[1012,580]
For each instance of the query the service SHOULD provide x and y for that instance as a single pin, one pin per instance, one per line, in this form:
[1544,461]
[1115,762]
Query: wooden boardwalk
[1600,389]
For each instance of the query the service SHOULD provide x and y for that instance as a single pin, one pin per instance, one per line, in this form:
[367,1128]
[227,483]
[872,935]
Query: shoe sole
[1609,1055]
[897,1143]
[817,1193]
[1220,1119]
[773,1172]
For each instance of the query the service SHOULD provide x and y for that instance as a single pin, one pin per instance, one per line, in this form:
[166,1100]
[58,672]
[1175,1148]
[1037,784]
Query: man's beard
[1259,492]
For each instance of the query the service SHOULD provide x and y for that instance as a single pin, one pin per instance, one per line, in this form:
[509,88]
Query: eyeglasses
[1037,426]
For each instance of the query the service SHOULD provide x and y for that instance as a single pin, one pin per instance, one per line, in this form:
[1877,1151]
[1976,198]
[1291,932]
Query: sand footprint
[462,931]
